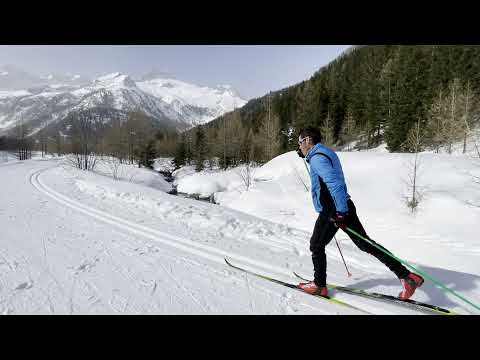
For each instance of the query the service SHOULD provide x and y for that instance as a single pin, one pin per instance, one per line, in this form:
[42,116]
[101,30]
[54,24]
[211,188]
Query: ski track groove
[183,244]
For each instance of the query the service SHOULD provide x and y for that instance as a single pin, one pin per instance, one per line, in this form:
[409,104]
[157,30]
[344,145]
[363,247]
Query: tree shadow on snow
[462,283]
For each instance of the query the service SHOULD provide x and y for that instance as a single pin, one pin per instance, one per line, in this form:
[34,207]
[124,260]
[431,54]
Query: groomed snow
[78,242]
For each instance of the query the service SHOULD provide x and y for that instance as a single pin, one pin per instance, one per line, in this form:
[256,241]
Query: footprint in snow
[24,286]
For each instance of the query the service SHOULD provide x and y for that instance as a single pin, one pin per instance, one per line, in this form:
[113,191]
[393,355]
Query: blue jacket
[329,191]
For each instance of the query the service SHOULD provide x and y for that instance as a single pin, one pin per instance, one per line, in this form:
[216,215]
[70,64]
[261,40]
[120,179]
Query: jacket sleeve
[321,166]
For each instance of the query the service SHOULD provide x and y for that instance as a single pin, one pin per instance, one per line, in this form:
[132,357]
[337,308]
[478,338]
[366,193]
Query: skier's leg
[322,234]
[353,222]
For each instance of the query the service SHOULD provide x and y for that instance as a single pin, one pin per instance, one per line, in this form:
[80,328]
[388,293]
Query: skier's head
[307,139]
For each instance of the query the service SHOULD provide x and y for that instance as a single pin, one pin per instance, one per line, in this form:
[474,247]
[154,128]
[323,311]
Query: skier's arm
[322,167]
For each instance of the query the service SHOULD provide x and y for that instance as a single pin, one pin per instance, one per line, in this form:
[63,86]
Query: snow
[131,173]
[206,183]
[164,164]
[56,86]
[108,76]
[47,94]
[115,81]
[6,158]
[4,73]
[76,242]
[170,90]
[376,183]
[13,93]
[5,124]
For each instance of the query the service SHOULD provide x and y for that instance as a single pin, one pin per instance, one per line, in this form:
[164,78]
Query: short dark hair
[313,133]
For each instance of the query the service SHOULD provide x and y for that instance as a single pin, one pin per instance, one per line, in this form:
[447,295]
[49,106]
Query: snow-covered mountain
[197,105]
[57,81]
[50,99]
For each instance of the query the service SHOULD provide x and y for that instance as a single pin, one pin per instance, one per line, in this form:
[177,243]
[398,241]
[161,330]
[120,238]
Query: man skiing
[332,201]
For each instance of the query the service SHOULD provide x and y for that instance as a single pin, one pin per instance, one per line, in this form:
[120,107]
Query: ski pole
[438,283]
[306,167]
[348,272]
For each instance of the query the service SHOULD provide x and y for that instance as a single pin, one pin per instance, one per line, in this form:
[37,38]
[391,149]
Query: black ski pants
[324,232]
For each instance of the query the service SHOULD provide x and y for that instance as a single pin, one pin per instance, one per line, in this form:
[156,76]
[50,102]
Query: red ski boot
[312,289]
[410,284]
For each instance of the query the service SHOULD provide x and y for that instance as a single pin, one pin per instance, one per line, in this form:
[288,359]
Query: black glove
[299,152]
[341,220]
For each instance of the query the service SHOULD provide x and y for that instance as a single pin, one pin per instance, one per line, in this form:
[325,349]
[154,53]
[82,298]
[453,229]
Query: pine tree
[327,131]
[201,149]
[306,105]
[180,152]
[373,101]
[408,102]
[386,87]
[148,154]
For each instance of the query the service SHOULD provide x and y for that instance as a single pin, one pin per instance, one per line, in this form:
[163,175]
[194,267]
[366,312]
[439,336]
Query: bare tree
[113,167]
[246,173]
[118,142]
[83,142]
[450,116]
[453,125]
[248,146]
[414,142]
[468,112]
[23,142]
[436,118]
[236,134]
[58,143]
[327,131]
[211,140]
[140,132]
[270,133]
[348,129]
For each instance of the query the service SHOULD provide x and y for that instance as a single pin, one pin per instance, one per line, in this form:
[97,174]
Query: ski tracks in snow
[211,253]
[202,250]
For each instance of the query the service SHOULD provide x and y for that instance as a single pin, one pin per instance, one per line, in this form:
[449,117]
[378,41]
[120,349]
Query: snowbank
[441,233]
[132,173]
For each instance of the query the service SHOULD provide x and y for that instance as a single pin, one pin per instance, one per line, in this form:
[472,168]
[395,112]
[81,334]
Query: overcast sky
[253,70]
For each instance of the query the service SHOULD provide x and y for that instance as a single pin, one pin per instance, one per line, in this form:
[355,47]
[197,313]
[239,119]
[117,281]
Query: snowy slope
[210,102]
[441,233]
[80,242]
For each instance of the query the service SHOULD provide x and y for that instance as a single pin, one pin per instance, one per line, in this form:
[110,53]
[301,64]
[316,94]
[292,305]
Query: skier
[332,201]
